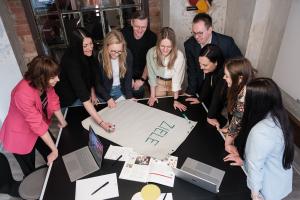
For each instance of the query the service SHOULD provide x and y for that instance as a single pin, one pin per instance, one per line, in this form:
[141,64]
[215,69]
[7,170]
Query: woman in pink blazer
[33,102]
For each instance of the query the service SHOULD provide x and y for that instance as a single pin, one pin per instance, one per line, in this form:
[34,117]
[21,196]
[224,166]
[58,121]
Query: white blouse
[176,73]
[115,71]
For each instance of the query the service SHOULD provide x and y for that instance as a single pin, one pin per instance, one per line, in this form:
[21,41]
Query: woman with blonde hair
[115,64]
[166,65]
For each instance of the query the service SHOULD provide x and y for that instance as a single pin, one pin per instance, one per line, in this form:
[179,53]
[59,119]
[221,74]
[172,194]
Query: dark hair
[263,97]
[76,40]
[40,70]
[140,14]
[205,18]
[241,72]
[213,53]
[166,33]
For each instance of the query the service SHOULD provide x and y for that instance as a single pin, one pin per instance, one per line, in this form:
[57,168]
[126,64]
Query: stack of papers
[146,169]
[85,188]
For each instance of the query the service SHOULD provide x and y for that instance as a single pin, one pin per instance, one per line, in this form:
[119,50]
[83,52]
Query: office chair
[29,188]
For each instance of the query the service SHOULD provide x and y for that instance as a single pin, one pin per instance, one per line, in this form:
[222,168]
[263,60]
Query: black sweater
[213,92]
[76,78]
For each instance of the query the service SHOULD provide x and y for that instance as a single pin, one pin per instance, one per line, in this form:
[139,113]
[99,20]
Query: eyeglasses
[200,33]
[140,27]
[116,52]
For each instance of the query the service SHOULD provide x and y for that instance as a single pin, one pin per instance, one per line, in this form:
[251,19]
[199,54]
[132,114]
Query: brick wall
[154,12]
[22,28]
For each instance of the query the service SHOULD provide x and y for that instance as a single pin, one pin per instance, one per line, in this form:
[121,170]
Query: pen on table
[117,160]
[185,117]
[165,196]
[100,187]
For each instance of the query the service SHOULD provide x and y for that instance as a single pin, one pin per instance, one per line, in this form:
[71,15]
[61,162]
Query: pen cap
[150,192]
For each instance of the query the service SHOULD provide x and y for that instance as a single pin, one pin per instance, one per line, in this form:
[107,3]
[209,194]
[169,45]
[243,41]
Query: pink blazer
[25,120]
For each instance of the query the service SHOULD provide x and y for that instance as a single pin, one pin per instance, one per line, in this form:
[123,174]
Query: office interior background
[266,31]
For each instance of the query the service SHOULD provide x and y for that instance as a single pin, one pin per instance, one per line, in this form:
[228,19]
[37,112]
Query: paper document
[138,196]
[114,152]
[146,169]
[85,188]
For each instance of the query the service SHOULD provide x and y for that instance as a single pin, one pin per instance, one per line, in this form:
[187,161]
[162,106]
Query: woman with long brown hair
[166,66]
[115,64]
[237,73]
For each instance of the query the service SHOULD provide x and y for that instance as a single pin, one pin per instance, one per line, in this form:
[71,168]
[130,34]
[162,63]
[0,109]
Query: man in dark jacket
[139,39]
[202,35]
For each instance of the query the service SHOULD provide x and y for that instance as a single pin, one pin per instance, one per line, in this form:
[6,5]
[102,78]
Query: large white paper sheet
[149,131]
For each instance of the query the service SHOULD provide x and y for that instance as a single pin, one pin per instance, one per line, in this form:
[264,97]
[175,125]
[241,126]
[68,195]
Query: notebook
[86,160]
[200,174]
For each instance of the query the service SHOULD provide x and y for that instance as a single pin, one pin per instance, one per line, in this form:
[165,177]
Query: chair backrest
[32,185]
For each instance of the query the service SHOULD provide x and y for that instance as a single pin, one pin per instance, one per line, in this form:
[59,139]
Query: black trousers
[27,161]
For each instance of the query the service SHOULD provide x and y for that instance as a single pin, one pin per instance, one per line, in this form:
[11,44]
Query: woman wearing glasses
[115,63]
[76,86]
[166,65]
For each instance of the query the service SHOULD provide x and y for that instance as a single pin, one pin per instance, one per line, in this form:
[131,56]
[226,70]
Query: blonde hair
[113,37]
[166,33]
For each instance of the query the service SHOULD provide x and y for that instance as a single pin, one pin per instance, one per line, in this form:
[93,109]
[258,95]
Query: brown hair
[40,70]
[113,37]
[139,14]
[203,17]
[166,33]
[241,73]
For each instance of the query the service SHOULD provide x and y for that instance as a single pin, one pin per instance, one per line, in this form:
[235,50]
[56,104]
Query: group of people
[258,135]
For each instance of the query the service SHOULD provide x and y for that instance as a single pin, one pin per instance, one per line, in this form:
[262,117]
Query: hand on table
[111,103]
[235,158]
[108,127]
[213,122]
[179,106]
[152,100]
[192,100]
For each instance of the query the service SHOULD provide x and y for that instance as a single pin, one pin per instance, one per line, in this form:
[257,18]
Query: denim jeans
[116,92]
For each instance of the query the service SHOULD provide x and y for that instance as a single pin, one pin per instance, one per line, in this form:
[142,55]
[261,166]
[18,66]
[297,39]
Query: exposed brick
[22,28]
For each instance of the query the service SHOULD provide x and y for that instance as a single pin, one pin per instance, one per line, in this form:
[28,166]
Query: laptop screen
[95,146]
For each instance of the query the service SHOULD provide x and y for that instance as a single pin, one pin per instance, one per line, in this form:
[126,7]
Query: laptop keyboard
[84,158]
[201,175]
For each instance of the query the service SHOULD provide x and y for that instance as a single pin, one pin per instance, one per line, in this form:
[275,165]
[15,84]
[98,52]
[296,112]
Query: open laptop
[86,160]
[200,174]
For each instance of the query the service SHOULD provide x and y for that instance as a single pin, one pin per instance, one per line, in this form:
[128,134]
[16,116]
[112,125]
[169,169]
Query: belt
[164,79]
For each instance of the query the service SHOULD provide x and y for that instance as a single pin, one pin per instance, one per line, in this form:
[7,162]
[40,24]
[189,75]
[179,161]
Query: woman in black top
[213,90]
[114,78]
[76,86]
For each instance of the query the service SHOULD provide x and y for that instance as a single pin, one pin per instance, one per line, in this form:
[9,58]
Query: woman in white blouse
[166,66]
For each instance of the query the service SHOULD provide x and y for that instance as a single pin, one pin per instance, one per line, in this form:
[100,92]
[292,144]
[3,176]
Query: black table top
[204,144]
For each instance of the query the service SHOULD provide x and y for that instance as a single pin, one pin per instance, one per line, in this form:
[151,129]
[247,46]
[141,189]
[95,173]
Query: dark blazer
[76,78]
[192,51]
[104,84]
